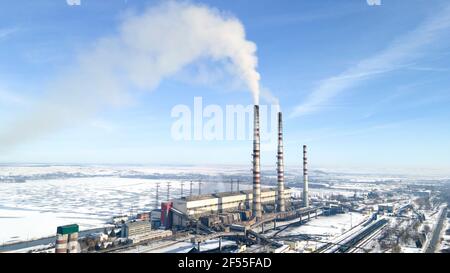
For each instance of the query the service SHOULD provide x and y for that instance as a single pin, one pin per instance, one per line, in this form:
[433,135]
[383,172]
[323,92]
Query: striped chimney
[280,165]
[305,178]
[256,208]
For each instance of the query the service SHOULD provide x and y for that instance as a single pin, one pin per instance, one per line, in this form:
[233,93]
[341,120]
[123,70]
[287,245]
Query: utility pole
[182,185]
[238,185]
[168,191]
[190,191]
[231,184]
[200,187]
[157,196]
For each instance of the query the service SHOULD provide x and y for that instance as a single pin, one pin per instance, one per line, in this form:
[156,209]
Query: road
[437,232]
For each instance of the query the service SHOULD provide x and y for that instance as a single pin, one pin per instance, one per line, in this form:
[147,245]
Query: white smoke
[148,47]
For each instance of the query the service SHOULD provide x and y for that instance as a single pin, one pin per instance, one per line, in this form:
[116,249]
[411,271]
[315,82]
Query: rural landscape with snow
[214,126]
[381,213]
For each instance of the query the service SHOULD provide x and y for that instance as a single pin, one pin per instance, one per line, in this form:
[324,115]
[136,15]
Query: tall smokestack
[256,208]
[305,178]
[280,165]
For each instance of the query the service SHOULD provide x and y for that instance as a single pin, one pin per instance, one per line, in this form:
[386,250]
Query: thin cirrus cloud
[404,49]
[5,32]
[9,98]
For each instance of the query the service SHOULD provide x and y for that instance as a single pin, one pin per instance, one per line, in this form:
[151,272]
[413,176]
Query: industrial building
[139,231]
[136,228]
[224,202]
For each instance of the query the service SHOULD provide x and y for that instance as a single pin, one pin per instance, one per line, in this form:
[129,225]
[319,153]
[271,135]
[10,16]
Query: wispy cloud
[429,69]
[5,32]
[9,98]
[402,51]
[363,130]
[391,101]
[103,125]
[298,16]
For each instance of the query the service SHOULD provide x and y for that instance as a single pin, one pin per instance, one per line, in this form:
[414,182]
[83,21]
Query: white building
[223,202]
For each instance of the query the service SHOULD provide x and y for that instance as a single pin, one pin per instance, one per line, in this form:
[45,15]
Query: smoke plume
[147,48]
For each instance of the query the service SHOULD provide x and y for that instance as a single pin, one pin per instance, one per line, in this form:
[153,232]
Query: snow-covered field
[35,208]
[35,199]
[327,226]
[31,170]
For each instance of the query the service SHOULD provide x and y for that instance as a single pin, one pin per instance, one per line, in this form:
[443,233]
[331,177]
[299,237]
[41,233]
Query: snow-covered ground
[35,199]
[35,208]
[445,243]
[324,228]
[327,226]
[108,170]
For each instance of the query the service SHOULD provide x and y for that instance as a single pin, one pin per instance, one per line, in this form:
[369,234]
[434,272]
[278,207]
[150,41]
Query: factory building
[195,206]
[139,231]
[136,228]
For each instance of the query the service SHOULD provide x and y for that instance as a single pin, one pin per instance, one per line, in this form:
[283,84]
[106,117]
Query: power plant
[258,207]
[241,214]
[251,217]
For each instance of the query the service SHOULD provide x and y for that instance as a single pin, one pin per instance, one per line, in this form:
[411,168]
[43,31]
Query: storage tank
[61,243]
[67,239]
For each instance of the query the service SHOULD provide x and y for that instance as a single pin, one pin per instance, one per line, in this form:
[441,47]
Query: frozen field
[35,208]
[327,226]
[35,199]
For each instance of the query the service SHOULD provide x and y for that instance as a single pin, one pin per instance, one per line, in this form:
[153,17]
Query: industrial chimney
[256,208]
[305,178]
[280,165]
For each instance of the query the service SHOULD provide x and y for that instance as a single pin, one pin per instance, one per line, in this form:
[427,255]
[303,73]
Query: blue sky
[363,86]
